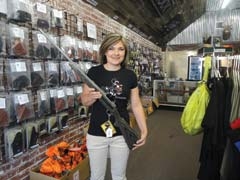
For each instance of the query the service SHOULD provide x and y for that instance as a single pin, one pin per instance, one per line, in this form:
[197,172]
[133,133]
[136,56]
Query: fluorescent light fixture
[225,3]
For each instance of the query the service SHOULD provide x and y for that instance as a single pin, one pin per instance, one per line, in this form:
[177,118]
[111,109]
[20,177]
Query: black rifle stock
[129,134]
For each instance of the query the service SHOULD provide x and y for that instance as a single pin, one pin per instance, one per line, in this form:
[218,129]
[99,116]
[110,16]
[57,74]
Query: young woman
[120,85]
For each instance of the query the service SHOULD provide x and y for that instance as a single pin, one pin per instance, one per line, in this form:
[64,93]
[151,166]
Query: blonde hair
[108,41]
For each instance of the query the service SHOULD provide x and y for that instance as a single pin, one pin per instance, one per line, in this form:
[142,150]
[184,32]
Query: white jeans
[100,148]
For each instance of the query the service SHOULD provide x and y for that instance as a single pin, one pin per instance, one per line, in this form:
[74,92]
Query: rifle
[129,134]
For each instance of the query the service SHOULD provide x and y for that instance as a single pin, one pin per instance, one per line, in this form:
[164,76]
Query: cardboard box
[80,172]
[146,101]
[132,119]
[150,109]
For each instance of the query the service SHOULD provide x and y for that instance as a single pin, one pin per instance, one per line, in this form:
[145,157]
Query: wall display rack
[25,53]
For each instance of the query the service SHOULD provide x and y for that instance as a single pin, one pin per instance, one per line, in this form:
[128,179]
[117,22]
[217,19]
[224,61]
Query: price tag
[57,13]
[17,32]
[13,67]
[41,8]
[43,96]
[41,38]
[69,91]
[79,89]
[20,66]
[53,92]
[91,31]
[60,93]
[22,99]
[2,103]
[52,67]
[37,66]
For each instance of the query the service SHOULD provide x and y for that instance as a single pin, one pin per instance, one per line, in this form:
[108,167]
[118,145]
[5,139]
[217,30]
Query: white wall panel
[205,26]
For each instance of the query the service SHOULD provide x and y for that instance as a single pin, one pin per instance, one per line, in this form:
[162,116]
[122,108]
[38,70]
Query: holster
[17,144]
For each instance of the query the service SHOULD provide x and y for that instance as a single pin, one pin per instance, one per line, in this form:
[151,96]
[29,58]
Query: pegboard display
[39,92]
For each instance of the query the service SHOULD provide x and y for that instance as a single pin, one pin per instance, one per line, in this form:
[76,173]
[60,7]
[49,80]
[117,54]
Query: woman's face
[115,54]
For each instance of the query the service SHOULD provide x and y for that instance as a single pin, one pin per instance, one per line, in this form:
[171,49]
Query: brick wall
[18,168]
[103,23]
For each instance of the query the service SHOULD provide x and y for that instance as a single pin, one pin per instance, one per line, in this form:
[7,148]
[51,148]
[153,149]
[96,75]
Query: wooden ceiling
[156,20]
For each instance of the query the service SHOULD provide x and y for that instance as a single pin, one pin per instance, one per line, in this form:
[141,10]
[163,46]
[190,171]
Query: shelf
[173,93]
[207,50]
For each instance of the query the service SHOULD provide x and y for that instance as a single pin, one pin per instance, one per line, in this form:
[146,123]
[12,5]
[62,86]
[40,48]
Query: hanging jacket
[213,142]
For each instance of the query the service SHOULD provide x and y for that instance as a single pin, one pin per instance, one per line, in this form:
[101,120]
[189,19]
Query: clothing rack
[223,109]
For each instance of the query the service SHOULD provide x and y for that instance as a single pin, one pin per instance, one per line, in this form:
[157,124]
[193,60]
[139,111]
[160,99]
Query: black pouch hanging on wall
[34,138]
[23,16]
[53,79]
[42,51]
[43,109]
[36,79]
[54,53]
[17,144]
[1,45]
[19,11]
[43,24]
[21,82]
[42,126]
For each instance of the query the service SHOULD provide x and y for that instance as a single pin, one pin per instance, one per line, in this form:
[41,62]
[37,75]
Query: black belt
[17,144]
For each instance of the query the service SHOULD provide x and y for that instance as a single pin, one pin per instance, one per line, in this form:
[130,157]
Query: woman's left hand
[140,142]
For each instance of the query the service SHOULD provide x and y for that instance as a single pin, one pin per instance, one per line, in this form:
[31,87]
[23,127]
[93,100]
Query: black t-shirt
[117,85]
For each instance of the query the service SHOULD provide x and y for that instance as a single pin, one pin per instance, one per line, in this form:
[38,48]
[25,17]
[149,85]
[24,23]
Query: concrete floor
[169,153]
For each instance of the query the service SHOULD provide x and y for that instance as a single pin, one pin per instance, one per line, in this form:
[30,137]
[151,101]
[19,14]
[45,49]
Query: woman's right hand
[94,95]
[89,95]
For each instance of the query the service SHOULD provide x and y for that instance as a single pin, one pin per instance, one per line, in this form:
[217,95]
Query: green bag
[195,108]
